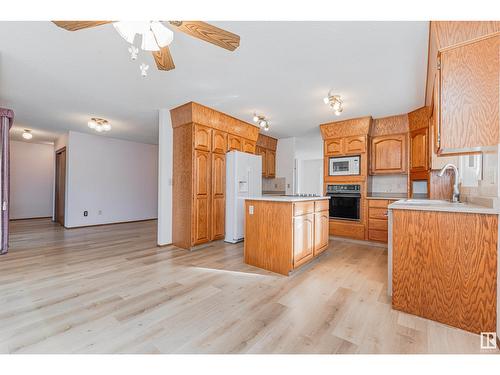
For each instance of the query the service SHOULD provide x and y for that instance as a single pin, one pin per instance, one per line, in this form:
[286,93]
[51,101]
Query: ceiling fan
[156,37]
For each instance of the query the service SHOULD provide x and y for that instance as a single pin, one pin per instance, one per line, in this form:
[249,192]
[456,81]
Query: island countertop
[284,198]
[442,206]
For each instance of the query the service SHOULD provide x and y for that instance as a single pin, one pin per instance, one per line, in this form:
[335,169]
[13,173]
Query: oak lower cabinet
[444,267]
[303,239]
[285,233]
[377,219]
[388,154]
[467,96]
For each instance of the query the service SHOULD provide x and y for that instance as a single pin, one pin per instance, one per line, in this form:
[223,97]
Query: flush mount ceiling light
[262,121]
[335,102]
[27,134]
[99,124]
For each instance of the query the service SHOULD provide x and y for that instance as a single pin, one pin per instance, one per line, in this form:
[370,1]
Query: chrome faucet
[456,193]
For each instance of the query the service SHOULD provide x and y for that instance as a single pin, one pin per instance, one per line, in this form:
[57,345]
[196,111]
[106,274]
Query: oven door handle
[344,195]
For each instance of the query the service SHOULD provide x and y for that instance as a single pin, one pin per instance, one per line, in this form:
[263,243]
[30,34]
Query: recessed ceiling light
[27,134]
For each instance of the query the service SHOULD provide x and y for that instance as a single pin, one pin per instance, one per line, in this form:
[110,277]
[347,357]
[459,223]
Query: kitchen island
[284,232]
[442,262]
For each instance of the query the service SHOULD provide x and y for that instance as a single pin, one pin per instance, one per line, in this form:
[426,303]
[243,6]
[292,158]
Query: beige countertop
[389,196]
[441,205]
[284,198]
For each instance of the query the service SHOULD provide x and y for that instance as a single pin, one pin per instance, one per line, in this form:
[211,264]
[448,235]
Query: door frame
[56,185]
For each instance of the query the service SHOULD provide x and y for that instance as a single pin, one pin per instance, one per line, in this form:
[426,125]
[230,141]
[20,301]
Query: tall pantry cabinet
[201,138]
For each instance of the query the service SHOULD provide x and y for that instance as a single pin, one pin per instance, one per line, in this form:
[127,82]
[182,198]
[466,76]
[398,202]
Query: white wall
[165,160]
[118,178]
[31,179]
[310,176]
[285,162]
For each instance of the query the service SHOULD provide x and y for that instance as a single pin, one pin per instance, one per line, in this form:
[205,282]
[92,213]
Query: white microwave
[344,166]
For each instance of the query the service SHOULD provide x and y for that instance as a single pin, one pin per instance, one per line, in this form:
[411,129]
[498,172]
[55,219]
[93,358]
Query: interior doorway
[60,188]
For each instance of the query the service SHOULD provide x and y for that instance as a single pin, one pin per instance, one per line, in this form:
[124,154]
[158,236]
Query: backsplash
[487,189]
[274,185]
[387,184]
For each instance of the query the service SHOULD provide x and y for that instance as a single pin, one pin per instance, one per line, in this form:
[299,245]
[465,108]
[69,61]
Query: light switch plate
[250,210]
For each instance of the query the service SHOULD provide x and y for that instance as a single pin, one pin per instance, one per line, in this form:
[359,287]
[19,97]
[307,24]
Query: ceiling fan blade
[208,33]
[78,25]
[163,59]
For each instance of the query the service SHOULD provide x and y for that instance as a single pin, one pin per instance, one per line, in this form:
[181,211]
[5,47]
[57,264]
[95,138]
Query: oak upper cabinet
[202,137]
[201,230]
[234,143]
[219,141]
[303,238]
[334,147]
[468,94]
[218,195]
[388,154]
[419,150]
[262,152]
[248,146]
[271,163]
[355,145]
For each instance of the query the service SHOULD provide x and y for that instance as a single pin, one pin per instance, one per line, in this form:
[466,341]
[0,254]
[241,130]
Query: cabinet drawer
[377,224]
[301,208]
[377,213]
[377,203]
[377,235]
[321,206]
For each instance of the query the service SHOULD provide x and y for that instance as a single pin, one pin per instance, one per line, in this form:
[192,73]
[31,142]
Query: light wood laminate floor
[109,289]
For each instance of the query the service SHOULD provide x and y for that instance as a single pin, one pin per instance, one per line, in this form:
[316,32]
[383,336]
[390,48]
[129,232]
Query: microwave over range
[344,166]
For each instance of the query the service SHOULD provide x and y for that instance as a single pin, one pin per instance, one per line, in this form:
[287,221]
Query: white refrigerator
[243,180]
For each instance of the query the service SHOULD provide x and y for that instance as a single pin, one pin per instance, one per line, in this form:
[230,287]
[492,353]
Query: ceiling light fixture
[99,124]
[335,102]
[262,121]
[27,134]
[154,34]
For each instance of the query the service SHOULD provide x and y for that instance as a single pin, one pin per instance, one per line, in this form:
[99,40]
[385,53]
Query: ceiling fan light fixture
[149,41]
[326,99]
[255,118]
[127,30]
[266,128]
[163,35]
[92,124]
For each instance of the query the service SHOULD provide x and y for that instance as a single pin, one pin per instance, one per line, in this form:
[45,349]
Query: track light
[335,102]
[27,134]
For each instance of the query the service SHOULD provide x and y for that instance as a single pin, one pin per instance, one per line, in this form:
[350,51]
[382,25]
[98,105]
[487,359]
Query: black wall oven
[344,202]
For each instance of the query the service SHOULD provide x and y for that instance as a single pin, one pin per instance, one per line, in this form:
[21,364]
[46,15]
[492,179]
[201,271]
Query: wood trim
[193,112]
[106,224]
[346,128]
[390,125]
[32,218]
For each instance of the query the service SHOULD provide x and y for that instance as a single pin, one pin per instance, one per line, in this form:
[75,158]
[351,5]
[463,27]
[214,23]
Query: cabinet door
[218,195]
[271,163]
[334,147]
[388,154]
[303,239]
[201,227]
[354,145]
[202,137]
[219,141]
[321,226]
[419,150]
[248,146]
[234,143]
[469,96]
[262,152]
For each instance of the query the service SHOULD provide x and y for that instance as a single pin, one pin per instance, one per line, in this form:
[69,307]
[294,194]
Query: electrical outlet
[250,210]
[85,213]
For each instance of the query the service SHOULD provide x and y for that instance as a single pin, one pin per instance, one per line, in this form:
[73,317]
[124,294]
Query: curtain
[6,118]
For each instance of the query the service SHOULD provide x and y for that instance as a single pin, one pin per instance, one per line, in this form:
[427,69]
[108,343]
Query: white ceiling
[56,80]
